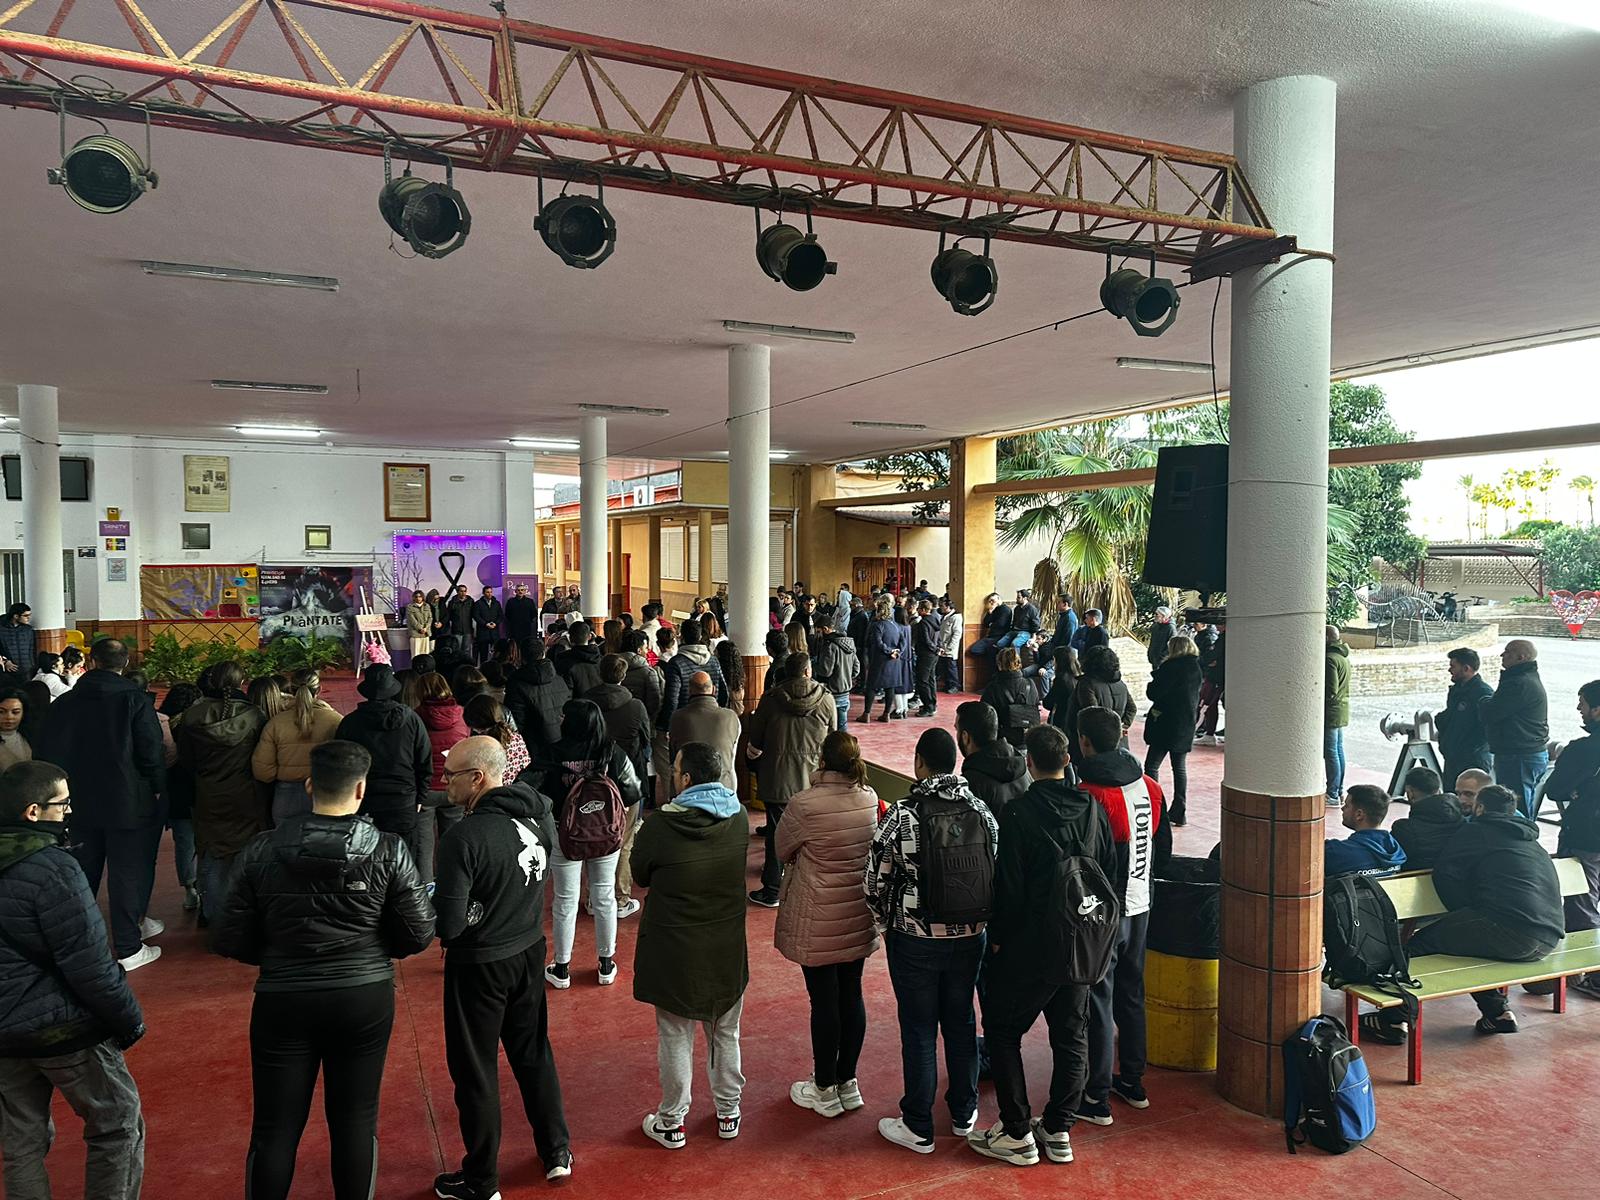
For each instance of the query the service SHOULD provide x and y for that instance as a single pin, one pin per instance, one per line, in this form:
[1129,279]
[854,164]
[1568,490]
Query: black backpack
[1361,934]
[1327,1093]
[956,886]
[1083,921]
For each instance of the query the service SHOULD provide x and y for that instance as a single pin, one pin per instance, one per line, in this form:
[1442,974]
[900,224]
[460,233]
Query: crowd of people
[321,846]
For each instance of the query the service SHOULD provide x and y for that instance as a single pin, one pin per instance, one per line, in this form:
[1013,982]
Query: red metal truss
[494,93]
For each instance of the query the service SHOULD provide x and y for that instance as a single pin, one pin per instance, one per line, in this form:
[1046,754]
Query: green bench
[1443,975]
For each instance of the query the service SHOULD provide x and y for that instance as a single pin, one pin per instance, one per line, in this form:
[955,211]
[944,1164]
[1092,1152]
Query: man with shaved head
[1468,784]
[1517,720]
[490,904]
[701,719]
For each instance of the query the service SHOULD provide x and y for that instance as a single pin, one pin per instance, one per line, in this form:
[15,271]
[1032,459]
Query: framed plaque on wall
[407,493]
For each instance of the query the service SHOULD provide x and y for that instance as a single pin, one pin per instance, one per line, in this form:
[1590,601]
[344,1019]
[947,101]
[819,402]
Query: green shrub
[1571,558]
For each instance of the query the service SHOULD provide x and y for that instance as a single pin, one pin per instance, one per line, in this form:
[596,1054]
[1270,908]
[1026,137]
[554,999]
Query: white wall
[278,489]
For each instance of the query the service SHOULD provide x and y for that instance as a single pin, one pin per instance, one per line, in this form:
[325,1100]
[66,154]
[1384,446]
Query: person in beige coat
[824,923]
[283,755]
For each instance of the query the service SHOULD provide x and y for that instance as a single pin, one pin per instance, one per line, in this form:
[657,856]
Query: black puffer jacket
[1174,694]
[104,731]
[402,757]
[1434,820]
[1015,701]
[580,667]
[644,681]
[324,902]
[216,740]
[1495,865]
[997,774]
[1517,716]
[1089,692]
[627,723]
[677,671]
[534,696]
[60,989]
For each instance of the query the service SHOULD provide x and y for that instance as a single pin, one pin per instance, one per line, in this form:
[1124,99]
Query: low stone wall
[1539,620]
[1381,673]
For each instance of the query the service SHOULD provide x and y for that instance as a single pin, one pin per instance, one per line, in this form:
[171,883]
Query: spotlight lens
[805,266]
[582,231]
[434,218]
[1152,305]
[971,285]
[102,179]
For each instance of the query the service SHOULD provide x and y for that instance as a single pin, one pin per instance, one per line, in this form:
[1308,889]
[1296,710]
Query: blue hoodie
[712,798]
[1364,850]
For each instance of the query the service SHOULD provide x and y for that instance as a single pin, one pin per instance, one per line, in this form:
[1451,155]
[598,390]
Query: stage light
[580,229]
[1146,302]
[432,217]
[796,260]
[102,174]
[969,281]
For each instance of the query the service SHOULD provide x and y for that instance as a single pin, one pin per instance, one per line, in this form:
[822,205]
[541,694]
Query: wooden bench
[1441,975]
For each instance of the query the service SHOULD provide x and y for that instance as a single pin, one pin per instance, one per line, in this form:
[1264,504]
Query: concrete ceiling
[1467,149]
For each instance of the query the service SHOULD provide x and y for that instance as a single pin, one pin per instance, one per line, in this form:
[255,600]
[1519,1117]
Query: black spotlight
[796,260]
[102,174]
[969,281]
[578,228]
[432,217]
[1146,302]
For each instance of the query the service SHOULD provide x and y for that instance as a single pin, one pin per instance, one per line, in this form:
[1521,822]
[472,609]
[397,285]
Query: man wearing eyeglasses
[66,1011]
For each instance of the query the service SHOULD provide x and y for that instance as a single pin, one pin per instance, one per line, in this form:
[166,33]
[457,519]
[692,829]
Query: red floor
[1496,1117]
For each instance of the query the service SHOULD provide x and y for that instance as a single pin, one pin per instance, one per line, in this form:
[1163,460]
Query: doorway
[885,572]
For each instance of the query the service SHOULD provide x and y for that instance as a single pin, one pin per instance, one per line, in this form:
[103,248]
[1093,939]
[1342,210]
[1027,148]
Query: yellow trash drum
[1180,967]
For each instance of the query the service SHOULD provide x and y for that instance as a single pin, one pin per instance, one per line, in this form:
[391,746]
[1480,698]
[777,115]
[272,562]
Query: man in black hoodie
[66,1011]
[580,665]
[490,902]
[535,694]
[1024,976]
[996,771]
[1516,718]
[402,757]
[1462,740]
[1504,899]
[1575,780]
[1434,819]
[925,649]
[835,663]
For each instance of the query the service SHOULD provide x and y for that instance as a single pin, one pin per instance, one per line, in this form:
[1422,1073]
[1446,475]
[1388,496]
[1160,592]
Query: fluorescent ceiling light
[320,283]
[543,444]
[887,425]
[1582,13]
[790,331]
[1166,364]
[261,385]
[278,431]
[774,455]
[632,410]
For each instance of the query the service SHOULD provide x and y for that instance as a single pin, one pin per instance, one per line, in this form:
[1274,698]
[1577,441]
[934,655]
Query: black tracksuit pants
[486,1004]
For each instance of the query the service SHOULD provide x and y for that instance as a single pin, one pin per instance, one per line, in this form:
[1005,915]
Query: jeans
[771,864]
[127,857]
[566,876]
[289,800]
[951,670]
[96,1083]
[216,877]
[486,1004]
[1116,1004]
[842,703]
[1471,934]
[675,1060]
[1520,773]
[344,1034]
[838,1020]
[183,849]
[1177,810]
[1333,761]
[1013,1002]
[933,981]
[985,647]
[1017,638]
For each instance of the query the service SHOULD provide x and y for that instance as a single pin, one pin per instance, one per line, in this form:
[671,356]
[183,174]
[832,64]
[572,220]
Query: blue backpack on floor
[1327,1093]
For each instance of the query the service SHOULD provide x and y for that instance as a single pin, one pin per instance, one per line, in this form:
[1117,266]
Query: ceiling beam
[927,496]
[572,105]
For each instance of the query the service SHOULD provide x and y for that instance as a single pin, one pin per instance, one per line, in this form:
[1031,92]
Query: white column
[522,550]
[592,517]
[41,504]
[749,492]
[1278,460]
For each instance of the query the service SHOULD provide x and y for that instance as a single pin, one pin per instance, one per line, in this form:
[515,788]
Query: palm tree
[1483,495]
[1466,484]
[1547,474]
[1584,486]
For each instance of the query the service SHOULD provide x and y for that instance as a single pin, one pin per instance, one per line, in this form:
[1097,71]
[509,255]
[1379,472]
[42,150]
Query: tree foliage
[1571,558]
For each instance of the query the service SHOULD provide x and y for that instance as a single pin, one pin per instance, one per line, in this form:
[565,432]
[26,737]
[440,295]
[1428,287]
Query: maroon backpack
[594,816]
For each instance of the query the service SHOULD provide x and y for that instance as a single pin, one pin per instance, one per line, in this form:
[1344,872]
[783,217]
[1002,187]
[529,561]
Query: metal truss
[498,94]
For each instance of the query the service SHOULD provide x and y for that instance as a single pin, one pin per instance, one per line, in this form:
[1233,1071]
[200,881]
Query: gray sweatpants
[97,1085]
[675,1054]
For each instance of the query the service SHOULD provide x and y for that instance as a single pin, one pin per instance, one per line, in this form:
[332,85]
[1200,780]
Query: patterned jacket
[894,866]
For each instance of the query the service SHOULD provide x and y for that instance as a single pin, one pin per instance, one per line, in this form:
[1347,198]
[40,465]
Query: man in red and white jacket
[1143,837]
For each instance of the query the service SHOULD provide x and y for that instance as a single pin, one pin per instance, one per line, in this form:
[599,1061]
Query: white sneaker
[964,1130]
[1057,1146]
[562,981]
[895,1130]
[627,908]
[1206,739]
[822,1101]
[995,1143]
[607,978]
[145,954]
[663,1134]
[728,1125]
[850,1095]
[150,927]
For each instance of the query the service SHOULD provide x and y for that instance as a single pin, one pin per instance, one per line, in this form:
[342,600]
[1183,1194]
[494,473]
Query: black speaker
[1188,542]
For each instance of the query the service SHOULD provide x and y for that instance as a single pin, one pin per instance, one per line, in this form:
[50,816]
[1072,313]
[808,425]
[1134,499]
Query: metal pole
[592,546]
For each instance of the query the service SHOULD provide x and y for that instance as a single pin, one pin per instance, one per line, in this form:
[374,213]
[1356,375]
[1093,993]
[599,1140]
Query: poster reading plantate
[192,592]
[308,600]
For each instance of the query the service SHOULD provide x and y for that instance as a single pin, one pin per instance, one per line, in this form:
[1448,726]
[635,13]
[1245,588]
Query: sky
[1544,387]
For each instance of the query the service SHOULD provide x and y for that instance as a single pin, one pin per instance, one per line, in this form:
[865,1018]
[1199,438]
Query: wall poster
[306,600]
[407,495]
[197,592]
[207,483]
